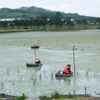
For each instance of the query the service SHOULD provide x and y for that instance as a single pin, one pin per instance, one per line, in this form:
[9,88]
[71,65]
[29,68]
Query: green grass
[44,97]
[23,97]
[55,95]
[48,28]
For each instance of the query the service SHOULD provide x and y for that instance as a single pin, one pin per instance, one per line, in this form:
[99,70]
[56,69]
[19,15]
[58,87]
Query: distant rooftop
[8,19]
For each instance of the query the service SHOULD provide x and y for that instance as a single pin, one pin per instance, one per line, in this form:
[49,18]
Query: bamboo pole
[34,52]
[74,68]
[74,59]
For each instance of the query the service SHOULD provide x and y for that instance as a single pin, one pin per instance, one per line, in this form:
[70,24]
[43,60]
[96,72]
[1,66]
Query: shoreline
[64,97]
[49,29]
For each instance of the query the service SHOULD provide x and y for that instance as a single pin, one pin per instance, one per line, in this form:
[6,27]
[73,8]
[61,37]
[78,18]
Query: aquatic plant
[2,85]
[51,76]
[87,72]
[44,97]
[55,94]
[23,97]
[72,95]
[33,79]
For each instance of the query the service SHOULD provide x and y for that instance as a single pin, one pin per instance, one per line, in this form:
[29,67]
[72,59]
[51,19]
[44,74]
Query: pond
[55,52]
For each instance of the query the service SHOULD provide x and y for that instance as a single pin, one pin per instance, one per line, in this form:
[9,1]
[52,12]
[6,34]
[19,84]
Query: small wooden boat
[60,74]
[4,96]
[33,65]
[36,63]
[35,47]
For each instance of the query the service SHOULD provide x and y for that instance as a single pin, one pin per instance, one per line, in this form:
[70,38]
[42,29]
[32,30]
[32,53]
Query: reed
[87,72]
[33,80]
[40,76]
[55,94]
[44,97]
[51,76]
[2,84]
[71,95]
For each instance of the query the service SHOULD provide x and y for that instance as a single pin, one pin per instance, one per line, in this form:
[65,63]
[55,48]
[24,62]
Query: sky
[82,7]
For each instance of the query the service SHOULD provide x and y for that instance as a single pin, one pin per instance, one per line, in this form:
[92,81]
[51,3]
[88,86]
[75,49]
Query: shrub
[23,97]
[55,95]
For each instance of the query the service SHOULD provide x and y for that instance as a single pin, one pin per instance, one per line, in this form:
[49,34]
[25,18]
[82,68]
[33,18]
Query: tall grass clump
[0,97]
[71,95]
[55,95]
[44,97]
[23,97]
[1,85]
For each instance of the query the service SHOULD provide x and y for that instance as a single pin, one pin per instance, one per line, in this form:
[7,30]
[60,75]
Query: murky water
[55,52]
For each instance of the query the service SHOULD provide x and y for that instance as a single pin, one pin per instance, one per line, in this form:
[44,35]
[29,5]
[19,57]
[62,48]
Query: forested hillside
[27,12]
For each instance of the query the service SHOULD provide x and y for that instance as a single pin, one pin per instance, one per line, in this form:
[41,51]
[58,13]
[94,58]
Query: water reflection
[65,79]
[34,68]
[51,76]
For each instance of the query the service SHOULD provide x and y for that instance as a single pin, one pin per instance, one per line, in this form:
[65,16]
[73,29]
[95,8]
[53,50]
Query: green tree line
[27,12]
[43,21]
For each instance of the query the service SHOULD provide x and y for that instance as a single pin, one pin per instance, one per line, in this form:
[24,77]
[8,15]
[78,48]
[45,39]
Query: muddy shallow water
[55,52]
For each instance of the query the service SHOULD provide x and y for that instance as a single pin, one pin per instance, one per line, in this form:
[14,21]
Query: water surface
[55,52]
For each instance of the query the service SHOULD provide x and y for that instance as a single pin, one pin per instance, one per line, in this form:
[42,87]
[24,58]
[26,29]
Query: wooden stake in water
[34,53]
[85,90]
[74,58]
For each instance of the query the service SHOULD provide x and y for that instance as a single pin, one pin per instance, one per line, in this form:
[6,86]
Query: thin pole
[74,58]
[34,53]
[85,90]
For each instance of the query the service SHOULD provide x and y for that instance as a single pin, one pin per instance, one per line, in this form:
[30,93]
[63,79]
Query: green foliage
[24,12]
[55,95]
[23,97]
[27,12]
[57,19]
[36,17]
[98,27]
[44,97]
[70,95]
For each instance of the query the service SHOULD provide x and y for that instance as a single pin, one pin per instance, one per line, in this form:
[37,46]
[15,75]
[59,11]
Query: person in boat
[34,45]
[66,69]
[37,61]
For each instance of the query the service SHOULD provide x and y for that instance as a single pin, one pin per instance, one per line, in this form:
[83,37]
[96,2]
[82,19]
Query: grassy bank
[48,28]
[56,96]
